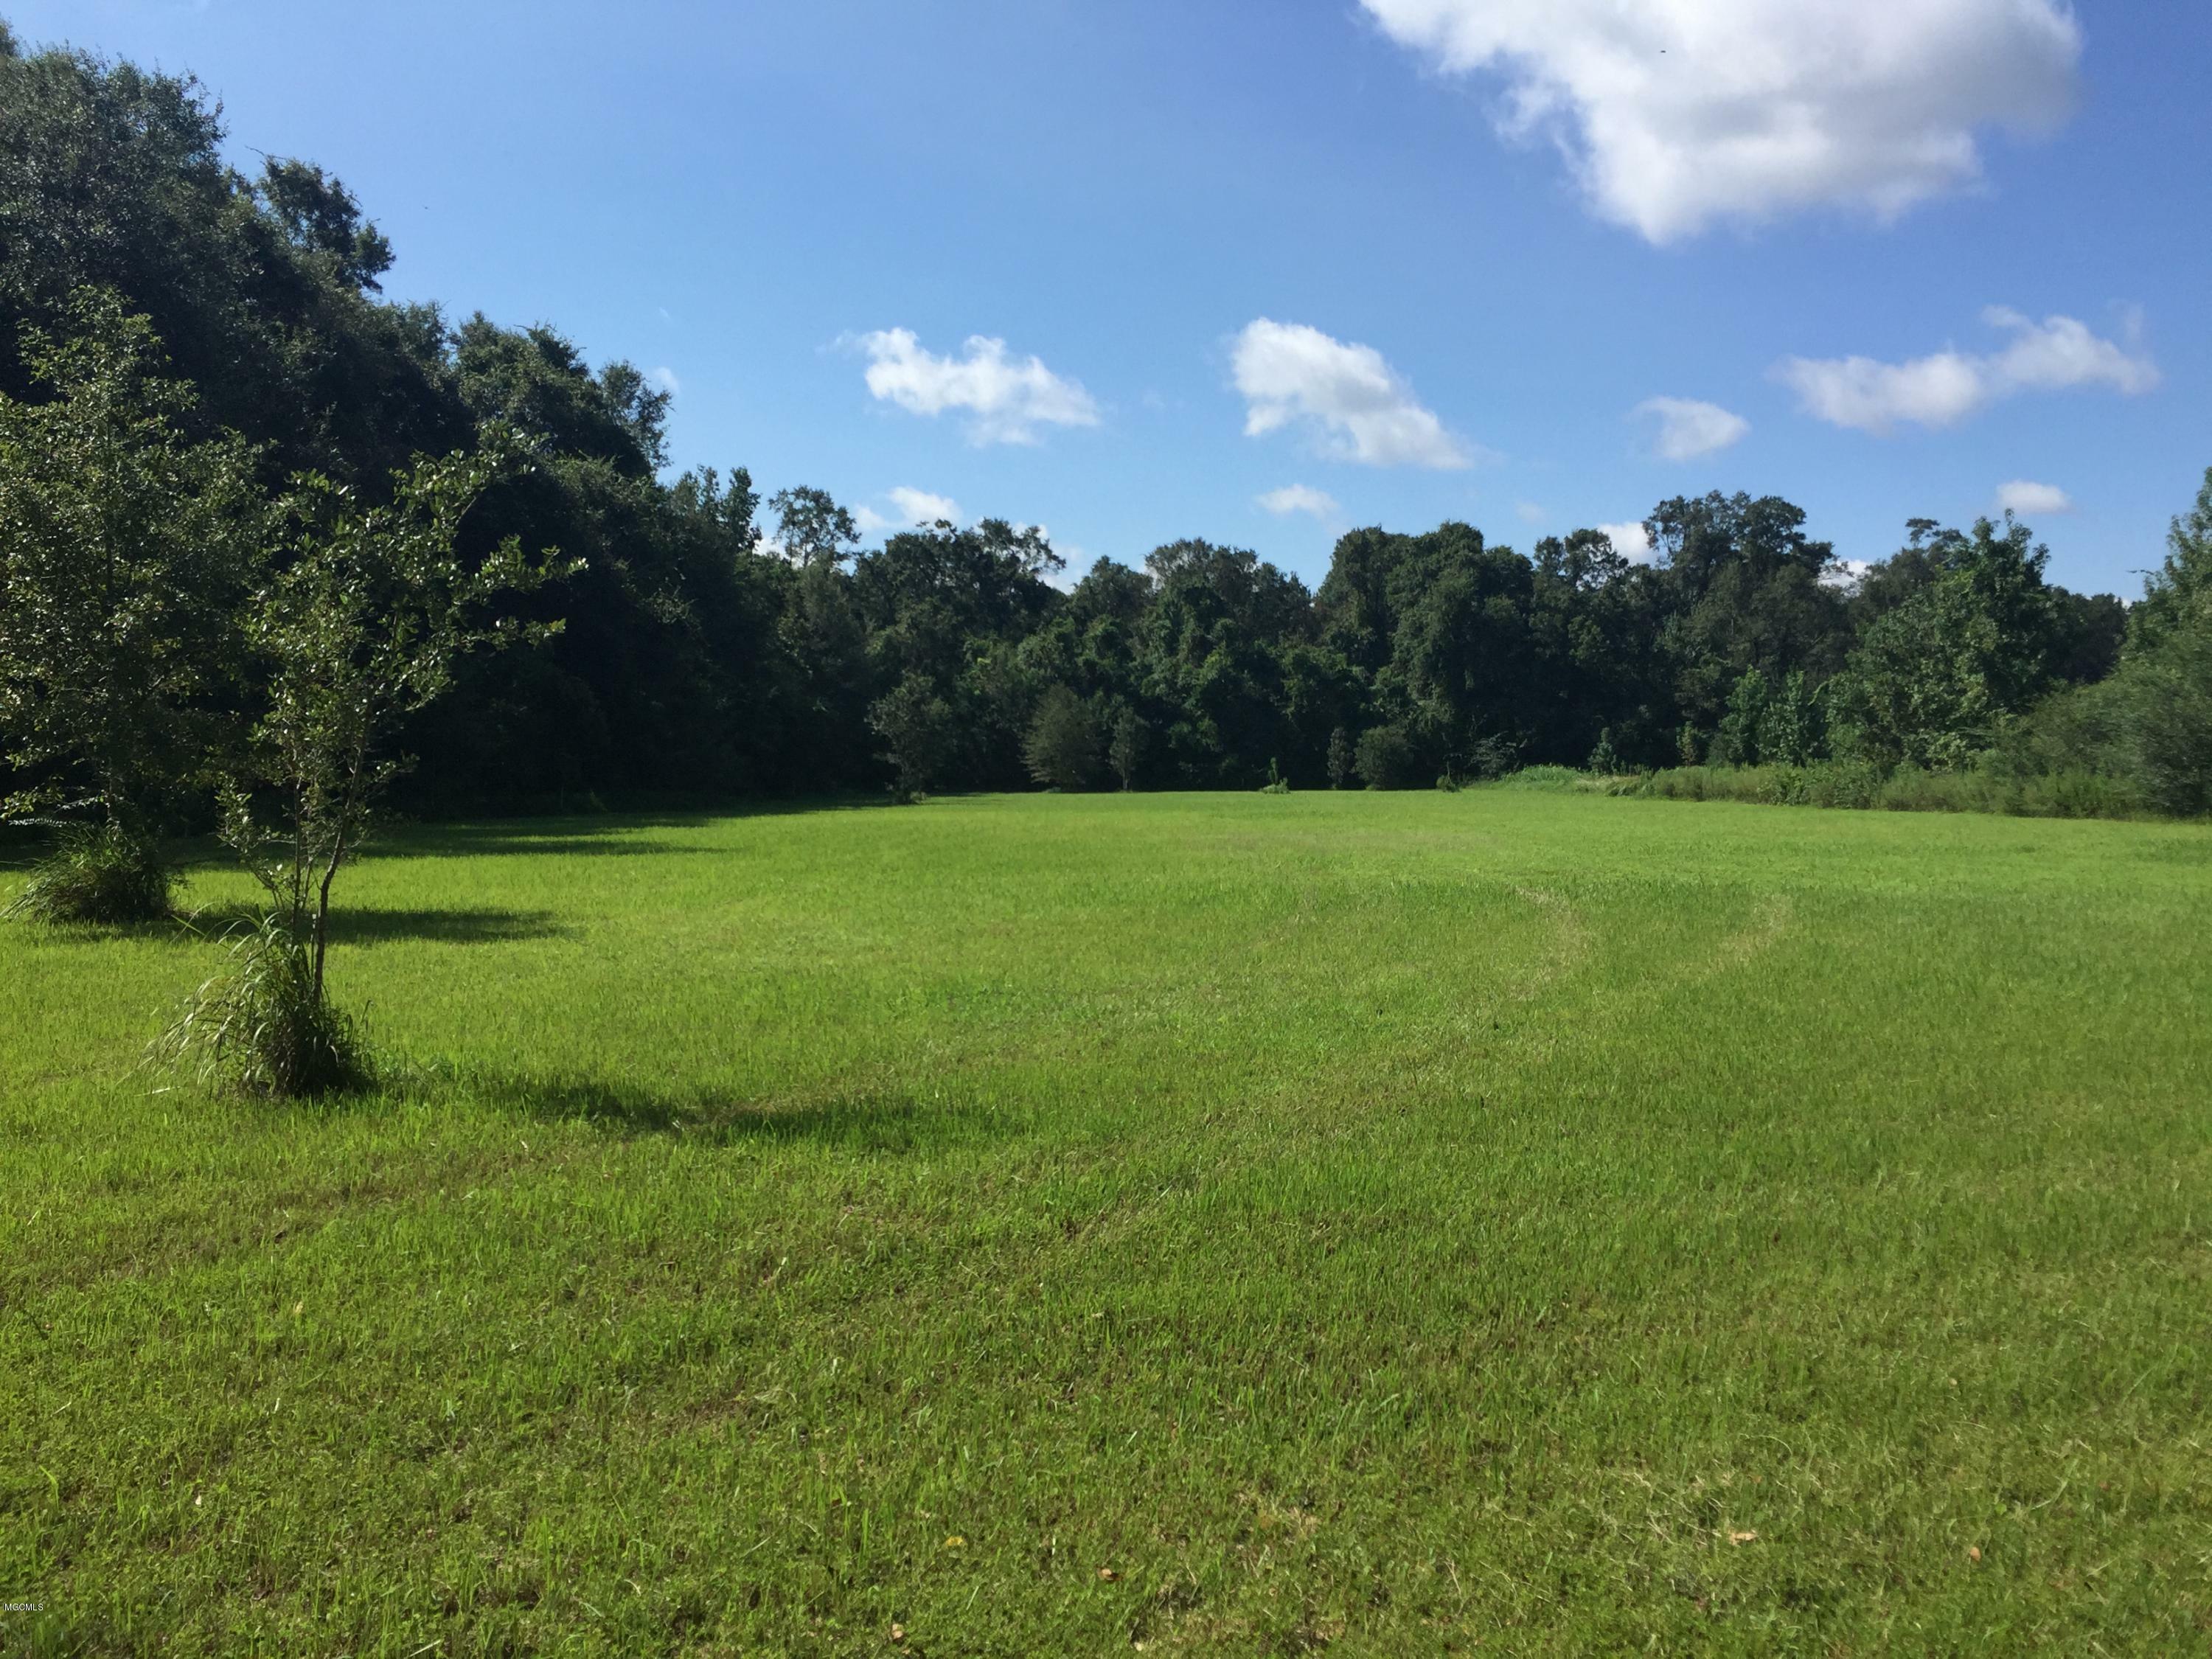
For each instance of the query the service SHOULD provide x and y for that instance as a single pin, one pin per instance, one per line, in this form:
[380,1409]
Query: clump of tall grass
[263,1025]
[99,876]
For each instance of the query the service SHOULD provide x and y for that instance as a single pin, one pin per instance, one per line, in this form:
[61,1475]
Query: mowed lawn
[1498,1222]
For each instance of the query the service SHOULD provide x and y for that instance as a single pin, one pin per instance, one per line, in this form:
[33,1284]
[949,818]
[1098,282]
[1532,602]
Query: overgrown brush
[1564,781]
[99,876]
[264,1025]
[1864,786]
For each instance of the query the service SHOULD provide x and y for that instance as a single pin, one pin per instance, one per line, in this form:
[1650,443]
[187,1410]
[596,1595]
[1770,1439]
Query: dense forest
[715,641]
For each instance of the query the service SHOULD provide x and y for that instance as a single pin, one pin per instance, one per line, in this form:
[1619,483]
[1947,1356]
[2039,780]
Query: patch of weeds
[97,877]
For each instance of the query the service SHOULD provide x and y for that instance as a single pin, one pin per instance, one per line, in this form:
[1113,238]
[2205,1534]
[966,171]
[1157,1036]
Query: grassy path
[1392,1223]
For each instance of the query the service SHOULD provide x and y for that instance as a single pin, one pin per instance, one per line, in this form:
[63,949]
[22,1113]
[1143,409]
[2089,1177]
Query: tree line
[703,640]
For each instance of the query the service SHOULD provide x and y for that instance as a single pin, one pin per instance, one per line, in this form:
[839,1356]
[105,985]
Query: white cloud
[910,509]
[1673,114]
[920,507]
[1943,389]
[1356,403]
[665,378]
[1846,573]
[1631,541]
[2029,499]
[1301,498]
[1006,399]
[1688,428]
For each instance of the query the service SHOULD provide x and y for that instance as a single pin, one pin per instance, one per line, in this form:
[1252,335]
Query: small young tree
[1790,731]
[362,628]
[1339,758]
[915,724]
[1742,727]
[1125,750]
[125,553]
[1061,748]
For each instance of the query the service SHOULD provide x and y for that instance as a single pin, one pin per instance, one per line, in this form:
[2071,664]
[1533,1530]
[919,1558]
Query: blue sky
[1265,270]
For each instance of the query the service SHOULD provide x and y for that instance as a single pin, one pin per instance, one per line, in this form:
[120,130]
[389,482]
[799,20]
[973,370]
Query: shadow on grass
[219,924]
[363,924]
[602,834]
[867,1122]
[444,926]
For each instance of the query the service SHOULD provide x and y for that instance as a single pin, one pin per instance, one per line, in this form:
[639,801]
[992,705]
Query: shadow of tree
[868,1120]
[480,927]
[608,835]
[482,842]
[359,925]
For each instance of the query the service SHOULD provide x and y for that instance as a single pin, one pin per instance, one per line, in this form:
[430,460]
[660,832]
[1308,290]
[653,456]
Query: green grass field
[1496,1221]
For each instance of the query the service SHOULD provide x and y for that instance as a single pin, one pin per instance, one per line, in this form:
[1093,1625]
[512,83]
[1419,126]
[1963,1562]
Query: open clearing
[1400,1223]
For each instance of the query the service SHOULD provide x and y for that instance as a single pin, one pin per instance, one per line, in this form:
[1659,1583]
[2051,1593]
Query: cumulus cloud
[1673,114]
[1006,399]
[1945,388]
[1631,541]
[2028,498]
[1356,404]
[1688,428]
[1301,498]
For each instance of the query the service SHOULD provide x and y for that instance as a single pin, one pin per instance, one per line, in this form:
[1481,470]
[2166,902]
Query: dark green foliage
[323,223]
[1742,587]
[2179,594]
[2149,727]
[100,876]
[1934,681]
[263,1026]
[113,177]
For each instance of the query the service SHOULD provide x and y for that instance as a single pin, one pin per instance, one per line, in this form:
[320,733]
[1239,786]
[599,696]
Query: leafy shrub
[263,1026]
[1062,750]
[1386,759]
[100,876]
